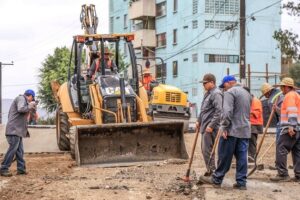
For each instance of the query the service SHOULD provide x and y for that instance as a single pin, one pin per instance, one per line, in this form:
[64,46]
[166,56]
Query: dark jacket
[275,93]
[211,109]
[236,112]
[17,117]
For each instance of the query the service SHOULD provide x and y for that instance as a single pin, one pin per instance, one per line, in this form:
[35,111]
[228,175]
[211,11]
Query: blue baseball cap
[227,79]
[30,92]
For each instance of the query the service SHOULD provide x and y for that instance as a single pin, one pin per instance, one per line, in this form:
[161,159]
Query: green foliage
[47,121]
[54,67]
[289,42]
[294,73]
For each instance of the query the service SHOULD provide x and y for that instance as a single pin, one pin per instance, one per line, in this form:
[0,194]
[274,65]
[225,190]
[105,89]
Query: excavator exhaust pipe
[134,142]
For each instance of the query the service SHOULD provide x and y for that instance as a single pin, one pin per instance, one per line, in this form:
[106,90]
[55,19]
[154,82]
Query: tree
[289,42]
[54,67]
[294,72]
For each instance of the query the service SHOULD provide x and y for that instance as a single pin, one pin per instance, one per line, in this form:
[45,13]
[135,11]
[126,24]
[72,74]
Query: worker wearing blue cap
[235,129]
[16,130]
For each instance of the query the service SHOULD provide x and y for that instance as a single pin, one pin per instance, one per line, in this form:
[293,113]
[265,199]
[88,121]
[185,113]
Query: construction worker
[256,121]
[96,65]
[16,130]
[147,78]
[209,119]
[289,139]
[273,95]
[235,129]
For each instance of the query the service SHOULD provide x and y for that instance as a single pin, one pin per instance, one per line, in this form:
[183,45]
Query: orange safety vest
[290,109]
[256,112]
[146,82]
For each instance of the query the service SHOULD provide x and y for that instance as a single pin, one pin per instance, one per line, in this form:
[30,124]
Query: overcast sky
[31,29]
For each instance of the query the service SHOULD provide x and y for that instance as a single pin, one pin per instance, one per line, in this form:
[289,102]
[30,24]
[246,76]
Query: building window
[194,92]
[125,21]
[111,24]
[227,7]
[216,58]
[195,57]
[175,5]
[161,40]
[195,6]
[218,24]
[161,9]
[174,36]
[161,71]
[195,24]
[175,68]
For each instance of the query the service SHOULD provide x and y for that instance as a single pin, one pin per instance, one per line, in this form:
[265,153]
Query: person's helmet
[30,92]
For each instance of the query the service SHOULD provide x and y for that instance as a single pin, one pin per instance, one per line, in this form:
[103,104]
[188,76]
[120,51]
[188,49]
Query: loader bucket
[132,142]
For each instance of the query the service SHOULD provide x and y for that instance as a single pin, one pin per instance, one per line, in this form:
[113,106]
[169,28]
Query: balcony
[146,37]
[142,9]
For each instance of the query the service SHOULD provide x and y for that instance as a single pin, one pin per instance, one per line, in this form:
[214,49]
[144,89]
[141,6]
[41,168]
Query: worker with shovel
[289,140]
[235,128]
[209,119]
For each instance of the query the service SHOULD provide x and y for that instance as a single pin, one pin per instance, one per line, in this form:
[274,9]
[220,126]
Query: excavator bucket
[127,143]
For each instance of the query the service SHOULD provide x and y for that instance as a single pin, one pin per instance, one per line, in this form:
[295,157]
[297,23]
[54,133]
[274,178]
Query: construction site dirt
[54,175]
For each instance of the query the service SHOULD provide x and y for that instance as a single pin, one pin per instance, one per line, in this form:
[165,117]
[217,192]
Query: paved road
[41,140]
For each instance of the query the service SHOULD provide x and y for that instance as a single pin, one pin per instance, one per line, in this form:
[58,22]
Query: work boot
[272,168]
[296,179]
[239,187]
[279,178]
[19,172]
[208,173]
[6,174]
[208,180]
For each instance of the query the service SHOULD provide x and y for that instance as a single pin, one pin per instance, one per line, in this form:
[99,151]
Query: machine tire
[72,142]
[62,130]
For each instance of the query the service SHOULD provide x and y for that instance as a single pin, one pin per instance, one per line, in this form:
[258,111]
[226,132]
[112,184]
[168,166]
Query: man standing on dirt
[289,140]
[235,129]
[16,129]
[273,95]
[209,119]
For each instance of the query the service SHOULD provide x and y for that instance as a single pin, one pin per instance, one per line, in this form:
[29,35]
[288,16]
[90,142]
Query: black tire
[62,130]
[72,142]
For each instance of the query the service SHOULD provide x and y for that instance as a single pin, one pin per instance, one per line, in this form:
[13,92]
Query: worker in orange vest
[147,78]
[289,139]
[256,121]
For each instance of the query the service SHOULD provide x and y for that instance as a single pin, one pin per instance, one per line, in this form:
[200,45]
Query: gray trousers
[207,142]
[252,145]
[285,145]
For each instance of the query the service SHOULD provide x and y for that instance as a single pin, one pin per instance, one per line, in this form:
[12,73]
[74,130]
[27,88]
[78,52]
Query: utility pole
[2,64]
[243,42]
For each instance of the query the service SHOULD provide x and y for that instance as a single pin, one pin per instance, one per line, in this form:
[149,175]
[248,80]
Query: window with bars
[161,9]
[174,36]
[227,7]
[195,57]
[175,68]
[195,6]
[217,58]
[195,24]
[161,40]
[161,71]
[218,24]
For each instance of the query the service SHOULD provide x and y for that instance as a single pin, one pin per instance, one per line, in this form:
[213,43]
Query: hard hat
[287,81]
[265,88]
[30,92]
